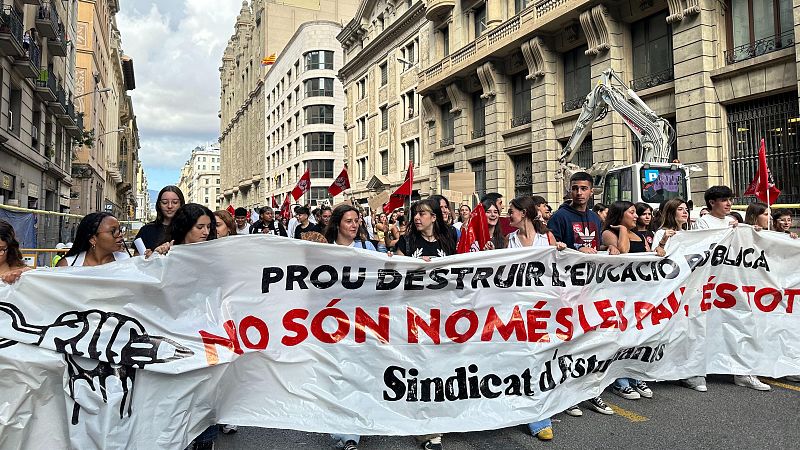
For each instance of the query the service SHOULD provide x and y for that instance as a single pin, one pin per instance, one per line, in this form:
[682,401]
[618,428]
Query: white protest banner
[315,337]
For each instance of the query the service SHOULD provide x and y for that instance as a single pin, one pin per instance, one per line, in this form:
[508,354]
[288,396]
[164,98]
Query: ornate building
[263,28]
[200,178]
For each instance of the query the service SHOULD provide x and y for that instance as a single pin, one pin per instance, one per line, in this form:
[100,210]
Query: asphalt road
[726,417]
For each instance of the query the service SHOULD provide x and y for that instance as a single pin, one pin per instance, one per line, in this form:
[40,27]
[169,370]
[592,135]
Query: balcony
[479,133]
[760,47]
[46,86]
[58,107]
[520,120]
[68,118]
[438,9]
[58,45]
[11,32]
[446,142]
[28,64]
[653,80]
[47,20]
[573,104]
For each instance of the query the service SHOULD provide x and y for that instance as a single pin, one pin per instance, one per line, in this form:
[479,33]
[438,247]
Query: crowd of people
[430,228]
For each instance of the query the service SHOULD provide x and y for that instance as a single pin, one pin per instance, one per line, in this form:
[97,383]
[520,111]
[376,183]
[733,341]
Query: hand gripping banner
[315,337]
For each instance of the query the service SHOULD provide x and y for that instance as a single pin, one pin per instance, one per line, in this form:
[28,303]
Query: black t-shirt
[152,235]
[274,227]
[311,227]
[420,248]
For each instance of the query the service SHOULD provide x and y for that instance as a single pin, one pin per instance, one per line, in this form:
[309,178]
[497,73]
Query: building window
[652,52]
[577,78]
[448,125]
[520,5]
[384,74]
[409,103]
[410,152]
[361,128]
[775,119]
[362,88]
[318,195]
[523,175]
[480,19]
[444,176]
[14,110]
[384,162]
[522,100]
[384,118]
[319,87]
[478,116]
[409,54]
[362,168]
[479,169]
[319,59]
[319,142]
[320,168]
[319,114]
[445,33]
[756,27]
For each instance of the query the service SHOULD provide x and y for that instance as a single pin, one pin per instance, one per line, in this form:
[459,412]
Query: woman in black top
[644,222]
[157,232]
[429,236]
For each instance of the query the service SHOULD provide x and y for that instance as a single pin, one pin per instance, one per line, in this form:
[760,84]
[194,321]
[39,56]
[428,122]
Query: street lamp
[118,130]
[99,91]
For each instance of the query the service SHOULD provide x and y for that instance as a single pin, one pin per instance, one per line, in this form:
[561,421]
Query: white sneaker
[795,378]
[626,392]
[750,381]
[696,383]
[229,429]
[574,411]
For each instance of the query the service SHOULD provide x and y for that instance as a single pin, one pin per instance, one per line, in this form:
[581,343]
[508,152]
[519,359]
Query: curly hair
[13,254]
[86,229]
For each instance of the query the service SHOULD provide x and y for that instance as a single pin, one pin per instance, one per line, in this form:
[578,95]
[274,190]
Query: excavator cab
[651,183]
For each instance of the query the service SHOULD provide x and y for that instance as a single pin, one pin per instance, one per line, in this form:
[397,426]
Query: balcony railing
[319,92]
[478,133]
[520,120]
[47,20]
[446,142]
[760,47]
[11,23]
[572,104]
[32,53]
[653,79]
[46,80]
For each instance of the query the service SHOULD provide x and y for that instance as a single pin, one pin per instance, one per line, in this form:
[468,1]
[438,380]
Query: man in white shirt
[718,201]
[240,217]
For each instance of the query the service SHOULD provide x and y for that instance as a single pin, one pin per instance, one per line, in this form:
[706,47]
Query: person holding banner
[644,213]
[155,233]
[524,215]
[11,264]
[758,216]
[674,218]
[619,232]
[782,222]
[98,241]
[192,223]
[496,238]
[225,224]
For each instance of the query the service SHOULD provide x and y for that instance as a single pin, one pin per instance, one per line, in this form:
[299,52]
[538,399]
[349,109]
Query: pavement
[726,417]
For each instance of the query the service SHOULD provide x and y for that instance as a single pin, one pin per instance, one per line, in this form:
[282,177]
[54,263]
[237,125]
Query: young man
[240,217]
[579,227]
[718,202]
[782,222]
[304,225]
[266,224]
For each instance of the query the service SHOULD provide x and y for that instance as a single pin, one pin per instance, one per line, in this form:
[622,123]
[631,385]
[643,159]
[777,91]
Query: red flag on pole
[476,234]
[274,202]
[230,209]
[398,197]
[285,207]
[340,184]
[762,185]
[303,185]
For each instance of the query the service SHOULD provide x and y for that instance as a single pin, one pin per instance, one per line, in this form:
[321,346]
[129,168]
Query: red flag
[762,185]
[476,234]
[303,185]
[274,202]
[398,197]
[285,207]
[230,209]
[340,184]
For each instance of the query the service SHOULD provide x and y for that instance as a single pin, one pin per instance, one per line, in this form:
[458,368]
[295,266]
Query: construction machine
[652,179]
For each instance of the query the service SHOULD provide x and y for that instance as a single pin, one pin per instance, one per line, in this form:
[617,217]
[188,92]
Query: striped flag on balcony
[269,60]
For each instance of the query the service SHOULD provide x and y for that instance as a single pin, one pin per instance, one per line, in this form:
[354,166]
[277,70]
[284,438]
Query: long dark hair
[186,217]
[332,230]
[441,230]
[160,214]
[667,213]
[641,207]
[86,229]
[438,199]
[615,214]
[497,235]
[753,211]
[527,204]
[13,254]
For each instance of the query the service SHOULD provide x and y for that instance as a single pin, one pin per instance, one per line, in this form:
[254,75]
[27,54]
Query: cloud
[177,49]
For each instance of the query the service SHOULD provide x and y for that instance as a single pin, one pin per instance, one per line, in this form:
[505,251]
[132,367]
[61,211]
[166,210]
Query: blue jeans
[620,383]
[382,248]
[340,439]
[206,437]
[540,425]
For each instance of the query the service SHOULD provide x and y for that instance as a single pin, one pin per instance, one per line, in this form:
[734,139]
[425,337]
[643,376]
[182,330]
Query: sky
[177,47]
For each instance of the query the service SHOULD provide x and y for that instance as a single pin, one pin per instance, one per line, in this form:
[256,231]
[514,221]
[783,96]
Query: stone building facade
[200,177]
[501,84]
[385,45]
[262,28]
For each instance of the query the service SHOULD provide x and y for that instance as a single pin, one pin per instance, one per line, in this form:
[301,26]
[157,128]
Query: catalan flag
[269,60]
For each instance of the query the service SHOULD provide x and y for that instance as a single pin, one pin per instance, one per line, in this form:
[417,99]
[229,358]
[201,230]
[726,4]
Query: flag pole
[769,208]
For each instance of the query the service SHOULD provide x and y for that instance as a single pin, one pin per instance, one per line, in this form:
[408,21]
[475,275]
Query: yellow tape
[630,415]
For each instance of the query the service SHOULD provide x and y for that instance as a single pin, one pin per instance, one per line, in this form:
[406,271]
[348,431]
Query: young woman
[343,229]
[430,236]
[674,218]
[98,241]
[11,265]
[192,223]
[381,231]
[644,213]
[444,205]
[226,226]
[464,214]
[601,210]
[524,215]
[618,233]
[156,232]
[496,239]
[757,215]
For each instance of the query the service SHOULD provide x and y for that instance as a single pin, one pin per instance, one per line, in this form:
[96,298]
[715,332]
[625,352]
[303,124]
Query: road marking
[783,385]
[630,415]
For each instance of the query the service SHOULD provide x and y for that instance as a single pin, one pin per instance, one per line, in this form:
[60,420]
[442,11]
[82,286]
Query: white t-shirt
[244,230]
[709,222]
[78,259]
[293,222]
[539,240]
